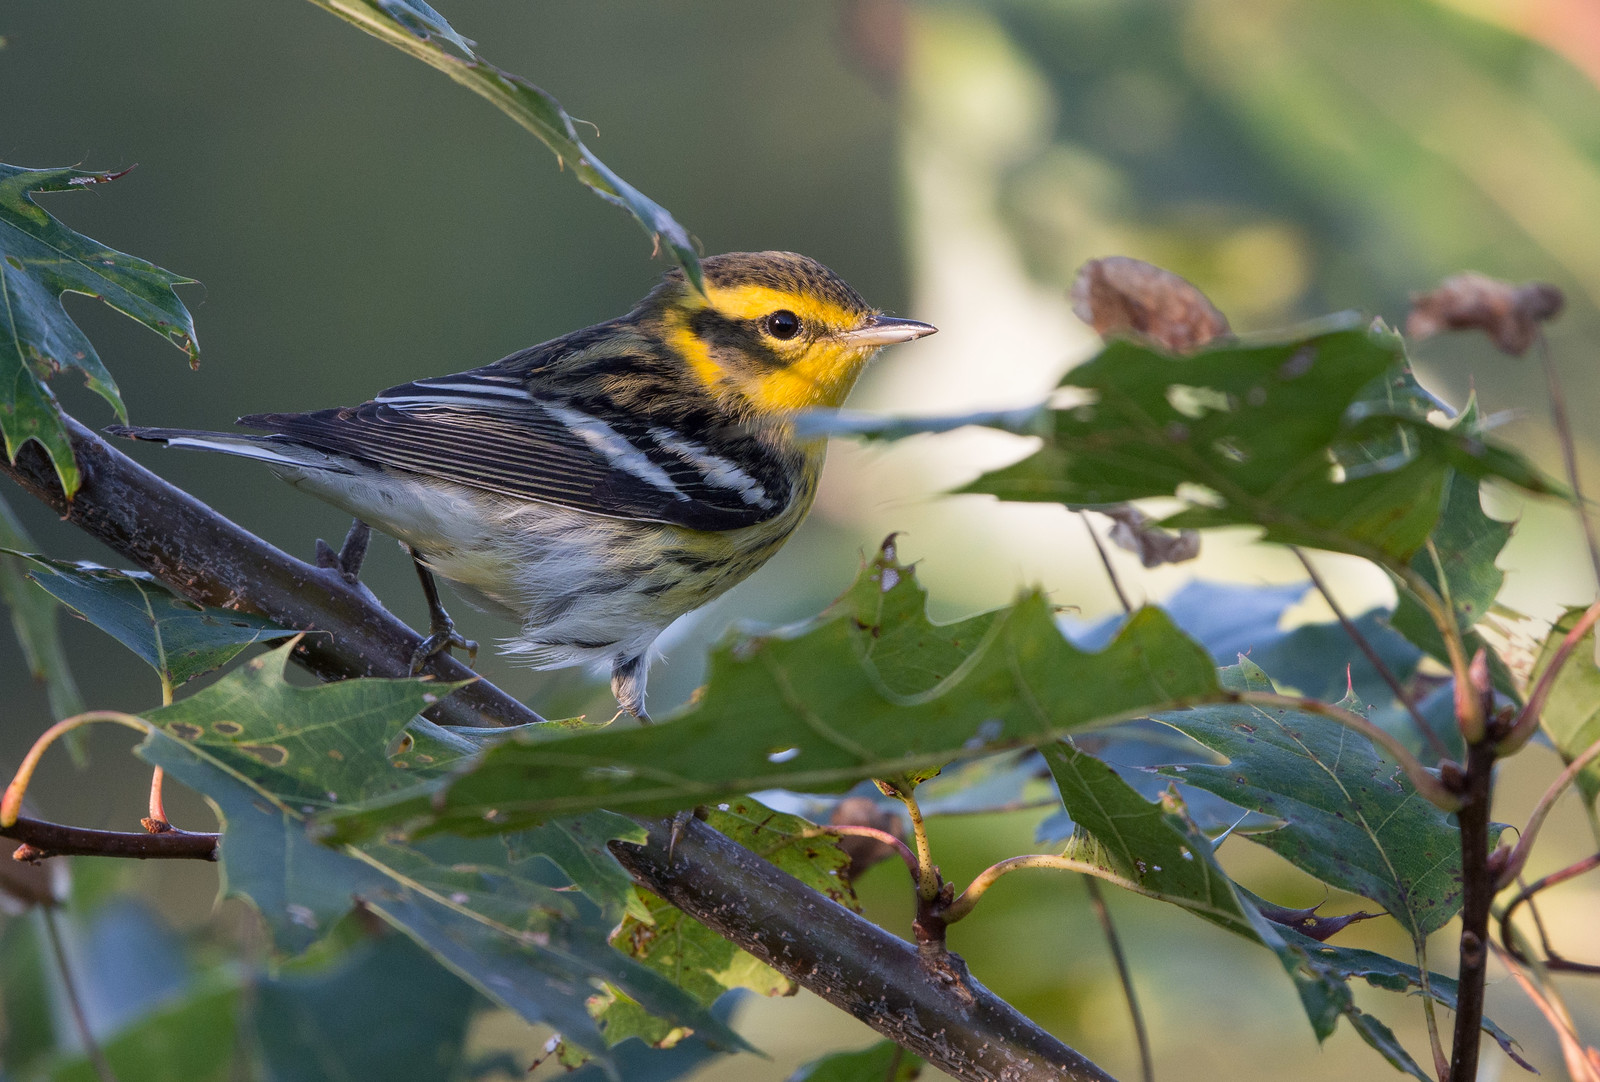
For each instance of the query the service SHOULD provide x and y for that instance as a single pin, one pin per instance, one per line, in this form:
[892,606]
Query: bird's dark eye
[782,324]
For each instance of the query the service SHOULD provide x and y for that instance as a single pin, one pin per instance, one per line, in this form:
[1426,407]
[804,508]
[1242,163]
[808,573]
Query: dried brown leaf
[860,811]
[1509,314]
[1135,532]
[1125,297]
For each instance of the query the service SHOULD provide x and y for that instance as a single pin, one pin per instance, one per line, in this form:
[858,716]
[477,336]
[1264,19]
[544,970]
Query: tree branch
[210,559]
[879,978]
[941,1014]
[55,840]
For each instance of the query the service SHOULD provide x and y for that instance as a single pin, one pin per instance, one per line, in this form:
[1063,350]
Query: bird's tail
[274,450]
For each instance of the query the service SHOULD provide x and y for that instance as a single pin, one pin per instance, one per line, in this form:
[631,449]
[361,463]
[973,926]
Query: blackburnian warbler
[602,484]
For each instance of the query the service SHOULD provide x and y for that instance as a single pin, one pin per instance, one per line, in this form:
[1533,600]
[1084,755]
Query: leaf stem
[1427,783]
[1441,1064]
[968,899]
[927,876]
[1371,655]
[1141,1033]
[874,833]
[11,803]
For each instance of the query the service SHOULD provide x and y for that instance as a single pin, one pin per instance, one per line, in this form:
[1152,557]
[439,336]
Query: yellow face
[773,333]
[782,350]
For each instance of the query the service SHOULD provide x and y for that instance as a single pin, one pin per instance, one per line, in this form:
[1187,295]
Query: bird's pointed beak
[886,331]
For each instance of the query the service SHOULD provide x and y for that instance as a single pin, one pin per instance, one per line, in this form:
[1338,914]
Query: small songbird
[600,485]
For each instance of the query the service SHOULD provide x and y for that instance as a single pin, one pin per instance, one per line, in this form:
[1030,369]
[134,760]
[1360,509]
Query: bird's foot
[442,637]
[351,555]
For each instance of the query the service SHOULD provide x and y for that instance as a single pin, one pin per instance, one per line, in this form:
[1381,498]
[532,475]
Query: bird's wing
[486,429]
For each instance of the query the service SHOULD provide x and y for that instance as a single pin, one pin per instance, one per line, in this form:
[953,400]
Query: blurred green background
[358,221]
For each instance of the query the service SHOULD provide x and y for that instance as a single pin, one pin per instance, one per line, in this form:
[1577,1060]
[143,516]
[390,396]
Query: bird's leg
[627,684]
[347,561]
[442,634]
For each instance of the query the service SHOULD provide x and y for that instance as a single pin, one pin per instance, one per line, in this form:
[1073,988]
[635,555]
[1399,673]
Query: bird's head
[778,332]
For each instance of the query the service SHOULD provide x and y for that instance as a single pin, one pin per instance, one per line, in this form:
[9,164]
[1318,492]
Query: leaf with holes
[40,259]
[268,753]
[173,635]
[1352,819]
[1155,850]
[871,689]
[1283,435]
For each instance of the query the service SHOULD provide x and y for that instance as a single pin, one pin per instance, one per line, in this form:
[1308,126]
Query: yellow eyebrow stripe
[751,301]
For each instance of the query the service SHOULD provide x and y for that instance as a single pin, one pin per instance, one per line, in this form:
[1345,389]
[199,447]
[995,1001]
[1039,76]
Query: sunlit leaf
[40,259]
[1571,715]
[871,689]
[173,635]
[699,960]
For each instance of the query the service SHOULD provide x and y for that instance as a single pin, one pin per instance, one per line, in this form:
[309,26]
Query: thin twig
[1477,895]
[1518,857]
[1552,960]
[1371,655]
[1569,453]
[1105,560]
[1147,1063]
[91,1047]
[1547,998]
[41,839]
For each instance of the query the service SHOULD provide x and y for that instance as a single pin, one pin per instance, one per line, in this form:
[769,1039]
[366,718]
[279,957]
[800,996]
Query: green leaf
[1352,819]
[1249,433]
[319,1025]
[871,689]
[33,617]
[882,1062]
[412,26]
[1458,561]
[173,635]
[40,259]
[1571,715]
[1152,849]
[166,1046]
[268,753]
[1155,850]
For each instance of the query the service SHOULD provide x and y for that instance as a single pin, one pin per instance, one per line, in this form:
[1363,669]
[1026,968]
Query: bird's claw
[441,640]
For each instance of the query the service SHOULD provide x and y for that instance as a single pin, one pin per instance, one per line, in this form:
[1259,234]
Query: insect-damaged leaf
[40,259]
